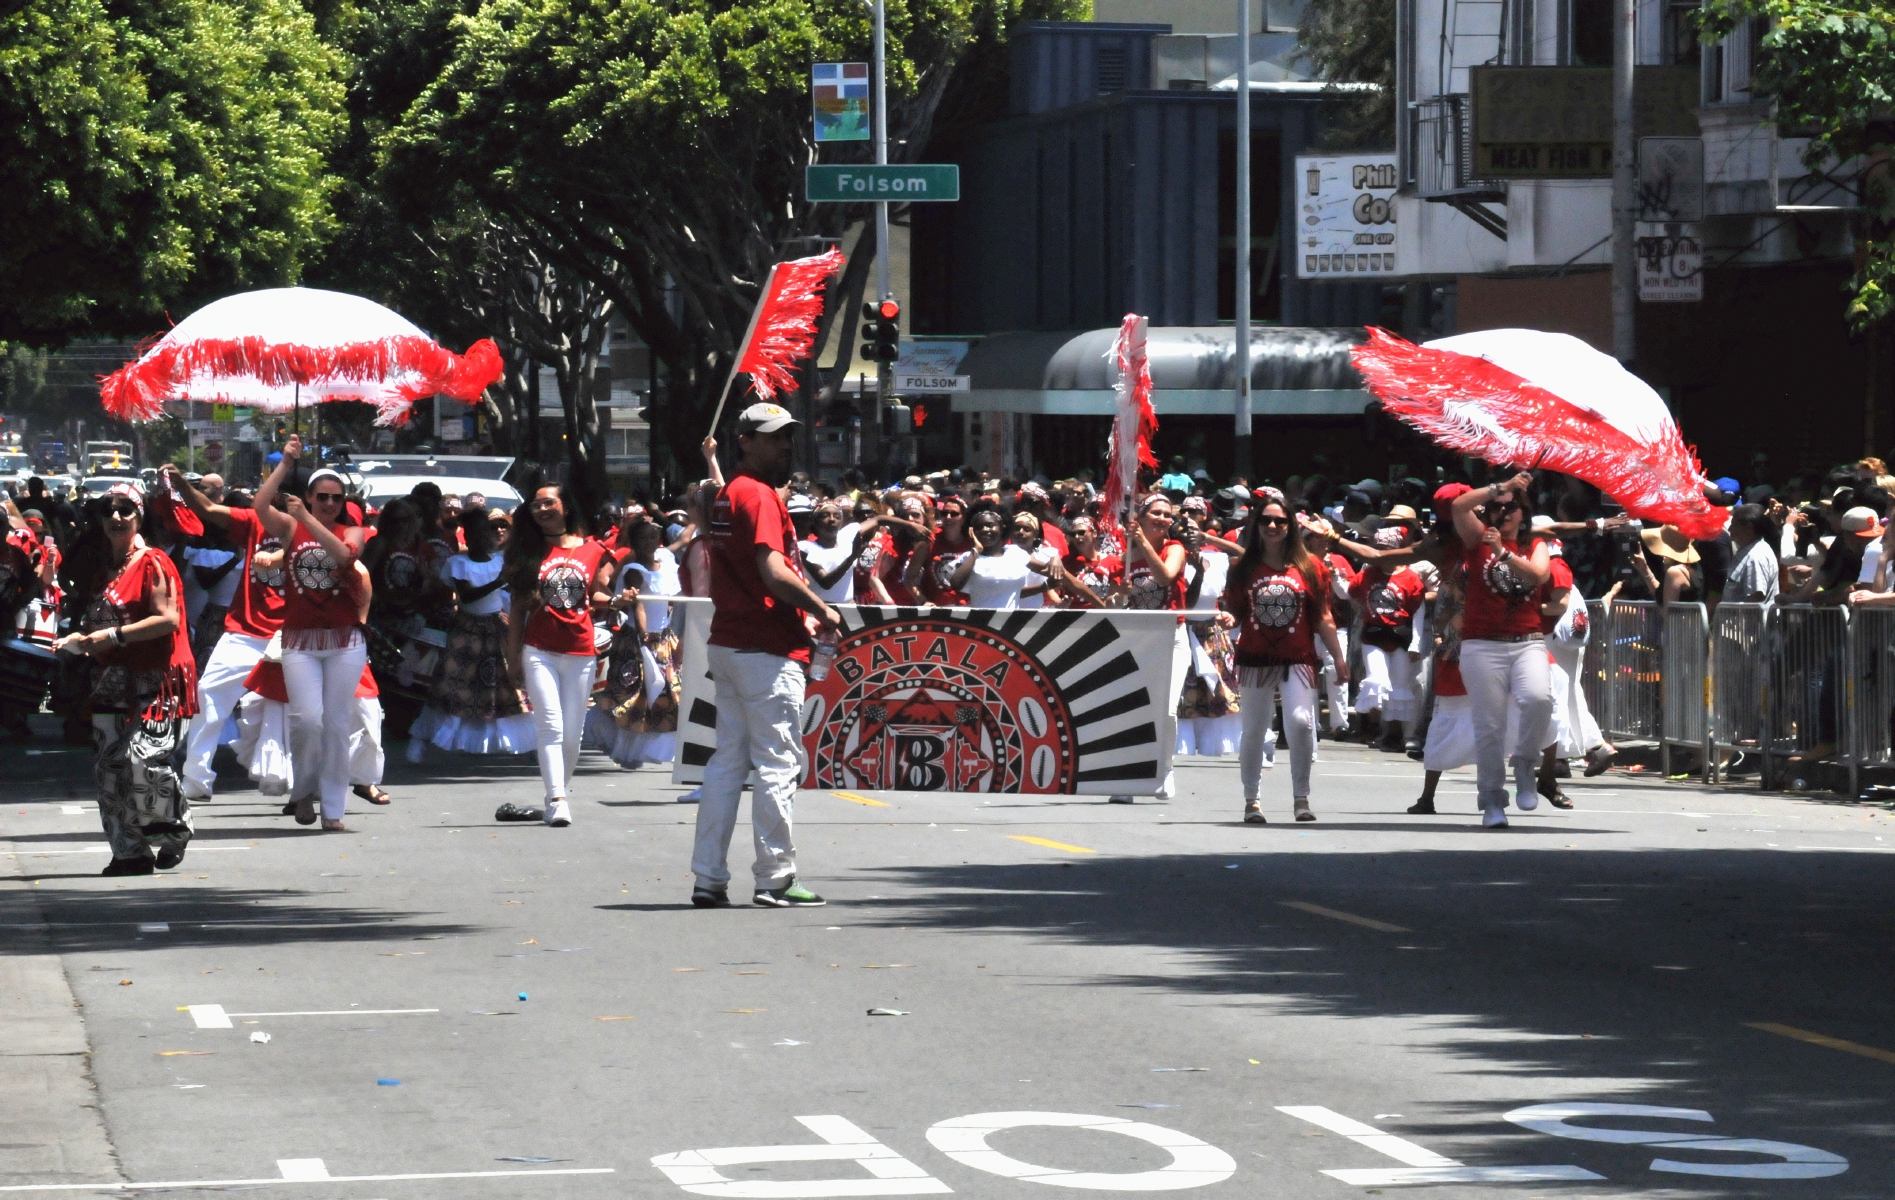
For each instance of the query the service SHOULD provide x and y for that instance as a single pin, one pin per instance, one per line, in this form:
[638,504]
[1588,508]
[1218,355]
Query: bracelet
[118,635]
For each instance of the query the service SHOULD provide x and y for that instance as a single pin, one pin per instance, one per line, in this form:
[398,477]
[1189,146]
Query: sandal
[372,793]
[1302,811]
[1253,813]
[333,826]
[1558,799]
[305,810]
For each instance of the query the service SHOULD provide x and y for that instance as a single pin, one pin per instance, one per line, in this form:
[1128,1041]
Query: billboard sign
[1345,227]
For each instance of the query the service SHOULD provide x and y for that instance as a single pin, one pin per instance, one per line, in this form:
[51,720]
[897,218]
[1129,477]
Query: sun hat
[1669,543]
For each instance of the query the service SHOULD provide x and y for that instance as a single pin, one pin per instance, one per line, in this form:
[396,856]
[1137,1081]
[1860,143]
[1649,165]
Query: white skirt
[497,735]
[263,744]
[1217,737]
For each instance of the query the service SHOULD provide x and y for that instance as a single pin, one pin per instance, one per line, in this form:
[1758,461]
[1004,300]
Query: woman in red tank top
[1503,655]
[1154,560]
[325,591]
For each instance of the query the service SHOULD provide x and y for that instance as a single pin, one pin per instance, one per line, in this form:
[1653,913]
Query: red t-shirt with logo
[1146,591]
[865,566]
[1101,573]
[1277,615]
[320,594]
[1501,603]
[748,514]
[1561,578]
[257,609]
[1389,603]
[561,620]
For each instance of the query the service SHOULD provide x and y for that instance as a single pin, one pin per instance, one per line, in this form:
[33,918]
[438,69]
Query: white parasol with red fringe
[782,326]
[1133,421]
[1523,397]
[281,348]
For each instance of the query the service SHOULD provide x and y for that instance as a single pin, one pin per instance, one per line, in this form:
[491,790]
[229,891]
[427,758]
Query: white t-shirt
[209,559]
[998,579]
[1871,559]
[826,559]
[1753,577]
[1216,567]
[651,581]
[463,569]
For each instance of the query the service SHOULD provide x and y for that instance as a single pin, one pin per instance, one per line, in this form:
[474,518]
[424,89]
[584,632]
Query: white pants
[219,691]
[1262,688]
[322,719]
[1338,691]
[1578,731]
[759,723]
[559,686]
[365,744]
[1507,678]
[1388,683]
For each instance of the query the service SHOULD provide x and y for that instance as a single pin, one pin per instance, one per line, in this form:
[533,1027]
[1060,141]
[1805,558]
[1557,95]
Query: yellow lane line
[1351,918]
[852,798]
[1038,841]
[1817,1039]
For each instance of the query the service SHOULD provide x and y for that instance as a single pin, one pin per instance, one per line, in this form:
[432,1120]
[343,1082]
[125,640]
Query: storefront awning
[1293,372]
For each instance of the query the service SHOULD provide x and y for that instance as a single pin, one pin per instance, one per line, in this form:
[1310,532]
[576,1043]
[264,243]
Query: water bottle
[825,655]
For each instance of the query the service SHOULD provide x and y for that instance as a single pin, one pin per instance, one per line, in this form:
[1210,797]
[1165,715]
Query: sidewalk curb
[49,1103]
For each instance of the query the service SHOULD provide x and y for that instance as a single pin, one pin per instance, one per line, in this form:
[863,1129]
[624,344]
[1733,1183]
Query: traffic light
[881,331]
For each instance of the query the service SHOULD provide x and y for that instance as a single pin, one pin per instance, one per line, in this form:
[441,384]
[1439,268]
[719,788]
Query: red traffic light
[888,310]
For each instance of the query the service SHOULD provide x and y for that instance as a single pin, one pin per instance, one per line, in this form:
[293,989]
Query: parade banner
[1047,701]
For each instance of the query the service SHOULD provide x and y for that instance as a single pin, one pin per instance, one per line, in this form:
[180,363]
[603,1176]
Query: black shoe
[289,809]
[704,897]
[1599,758]
[513,812]
[1422,808]
[1562,769]
[128,866]
[791,895]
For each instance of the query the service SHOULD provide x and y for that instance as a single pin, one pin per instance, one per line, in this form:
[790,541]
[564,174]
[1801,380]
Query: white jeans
[219,690]
[559,686]
[1578,731]
[759,723]
[1388,683]
[1503,677]
[1262,688]
[365,744]
[322,719]
[1338,691]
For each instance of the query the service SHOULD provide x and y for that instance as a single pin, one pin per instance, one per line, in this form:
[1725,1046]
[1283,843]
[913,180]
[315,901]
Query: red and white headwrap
[126,491]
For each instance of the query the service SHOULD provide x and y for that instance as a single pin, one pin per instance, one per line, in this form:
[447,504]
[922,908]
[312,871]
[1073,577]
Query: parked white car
[384,477]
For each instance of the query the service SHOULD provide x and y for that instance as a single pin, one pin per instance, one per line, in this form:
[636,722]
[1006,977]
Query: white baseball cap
[764,418]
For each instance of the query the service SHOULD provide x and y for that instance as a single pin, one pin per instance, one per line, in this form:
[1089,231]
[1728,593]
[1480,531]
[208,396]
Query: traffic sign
[919,182]
[933,383]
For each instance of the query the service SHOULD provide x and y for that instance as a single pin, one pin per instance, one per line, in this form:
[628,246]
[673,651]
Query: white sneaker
[558,813]
[1494,818]
[693,796]
[1528,800]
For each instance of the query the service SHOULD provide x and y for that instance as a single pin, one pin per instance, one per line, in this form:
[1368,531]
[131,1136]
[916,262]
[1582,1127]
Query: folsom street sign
[857,182]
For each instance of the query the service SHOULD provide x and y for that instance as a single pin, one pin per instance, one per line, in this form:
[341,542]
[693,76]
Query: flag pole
[737,359]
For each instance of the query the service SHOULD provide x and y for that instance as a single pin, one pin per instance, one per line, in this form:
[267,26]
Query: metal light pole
[872,434]
[1241,356]
[1624,184]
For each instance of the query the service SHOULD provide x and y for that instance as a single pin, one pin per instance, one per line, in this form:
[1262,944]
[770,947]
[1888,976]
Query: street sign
[1556,122]
[214,453]
[1345,216]
[856,182]
[839,95]
[1670,262]
[1671,179]
[933,383]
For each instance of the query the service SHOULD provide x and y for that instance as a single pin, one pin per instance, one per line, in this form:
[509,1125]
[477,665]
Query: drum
[26,670]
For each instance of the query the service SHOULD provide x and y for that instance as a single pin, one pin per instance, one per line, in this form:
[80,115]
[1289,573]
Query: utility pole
[884,372]
[1241,342]
[1624,184]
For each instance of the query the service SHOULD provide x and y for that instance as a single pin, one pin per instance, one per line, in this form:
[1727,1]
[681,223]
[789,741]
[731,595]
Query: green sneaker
[790,895]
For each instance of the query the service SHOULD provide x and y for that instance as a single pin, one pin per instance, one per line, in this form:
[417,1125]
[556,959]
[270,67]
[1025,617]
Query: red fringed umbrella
[782,326]
[280,348]
[1133,422]
[1526,398]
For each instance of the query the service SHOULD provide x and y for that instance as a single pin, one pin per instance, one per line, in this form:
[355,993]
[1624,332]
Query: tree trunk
[578,386]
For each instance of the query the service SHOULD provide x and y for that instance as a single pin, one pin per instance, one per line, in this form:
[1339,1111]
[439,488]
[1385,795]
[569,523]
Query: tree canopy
[158,153]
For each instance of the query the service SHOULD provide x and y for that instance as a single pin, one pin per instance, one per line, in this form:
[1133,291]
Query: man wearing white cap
[758,650]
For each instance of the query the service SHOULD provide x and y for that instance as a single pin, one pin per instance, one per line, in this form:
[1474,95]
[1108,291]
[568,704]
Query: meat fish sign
[973,700]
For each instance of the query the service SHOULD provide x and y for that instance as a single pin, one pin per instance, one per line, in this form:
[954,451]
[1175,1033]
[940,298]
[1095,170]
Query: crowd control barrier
[1631,637]
[1685,699]
[1869,694]
[1739,684]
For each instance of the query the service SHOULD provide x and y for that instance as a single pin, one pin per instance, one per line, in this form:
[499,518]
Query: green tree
[657,147]
[1353,41]
[157,153]
[1830,68]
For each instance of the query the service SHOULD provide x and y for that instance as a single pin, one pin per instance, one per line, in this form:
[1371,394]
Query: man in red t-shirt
[759,646]
[256,612]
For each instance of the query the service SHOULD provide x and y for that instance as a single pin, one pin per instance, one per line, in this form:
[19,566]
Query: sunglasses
[1283,522]
[123,508]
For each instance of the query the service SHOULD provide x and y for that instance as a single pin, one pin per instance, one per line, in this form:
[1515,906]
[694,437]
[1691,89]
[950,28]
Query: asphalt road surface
[1092,996]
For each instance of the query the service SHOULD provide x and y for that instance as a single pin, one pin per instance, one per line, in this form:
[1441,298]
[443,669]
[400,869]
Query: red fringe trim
[138,391]
[1474,407]
[785,325]
[1135,423]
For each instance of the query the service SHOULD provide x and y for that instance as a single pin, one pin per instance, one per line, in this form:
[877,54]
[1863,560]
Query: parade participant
[1088,579]
[323,647]
[144,689]
[211,567]
[557,576]
[1209,718]
[636,719]
[1154,572]
[950,542]
[906,554]
[255,614]
[1321,538]
[1042,555]
[408,593]
[1503,655]
[1391,602]
[758,650]
[1000,574]
[1277,598]
[473,707]
[1563,623]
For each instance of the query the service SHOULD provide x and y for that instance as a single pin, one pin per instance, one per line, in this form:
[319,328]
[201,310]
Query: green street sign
[840,184]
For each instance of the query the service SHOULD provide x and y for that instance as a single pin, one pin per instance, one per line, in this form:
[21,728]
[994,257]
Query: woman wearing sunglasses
[951,541]
[324,650]
[144,691]
[1277,597]
[1503,654]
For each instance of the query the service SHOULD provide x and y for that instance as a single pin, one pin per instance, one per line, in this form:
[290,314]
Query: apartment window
[1110,68]
[1592,32]
[1681,35]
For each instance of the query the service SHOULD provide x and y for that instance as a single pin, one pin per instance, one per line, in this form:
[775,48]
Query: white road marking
[696,1171]
[1193,1163]
[1797,1161]
[213,1016]
[1424,1165]
[209,1016]
[302,1170]
[114,1186]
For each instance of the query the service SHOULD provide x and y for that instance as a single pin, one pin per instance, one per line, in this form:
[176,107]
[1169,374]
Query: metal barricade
[1632,637]
[1592,671]
[1740,651]
[1809,683]
[1869,696]
[1684,684]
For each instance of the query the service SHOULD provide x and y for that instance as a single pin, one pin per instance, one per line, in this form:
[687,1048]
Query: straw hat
[1669,543]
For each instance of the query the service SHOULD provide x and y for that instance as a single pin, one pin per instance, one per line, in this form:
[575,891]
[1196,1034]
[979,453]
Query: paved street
[456,1008]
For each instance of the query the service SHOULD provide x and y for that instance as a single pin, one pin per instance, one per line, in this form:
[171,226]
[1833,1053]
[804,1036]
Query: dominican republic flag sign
[973,700]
